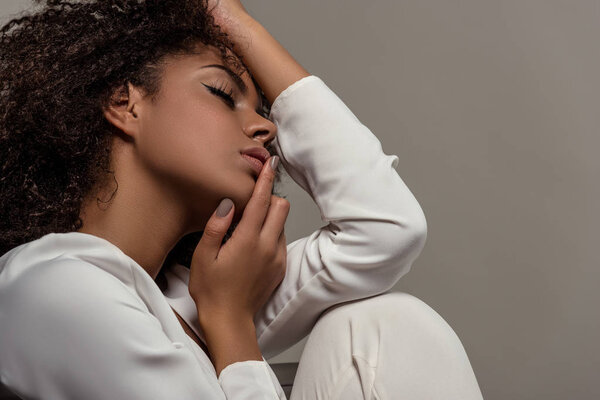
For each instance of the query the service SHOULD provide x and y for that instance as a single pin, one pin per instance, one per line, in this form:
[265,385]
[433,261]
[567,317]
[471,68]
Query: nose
[260,128]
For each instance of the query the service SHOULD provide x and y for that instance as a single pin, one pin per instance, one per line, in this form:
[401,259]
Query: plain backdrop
[493,109]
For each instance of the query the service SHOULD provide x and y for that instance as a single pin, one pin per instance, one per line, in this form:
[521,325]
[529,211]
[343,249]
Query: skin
[175,159]
[190,332]
[234,339]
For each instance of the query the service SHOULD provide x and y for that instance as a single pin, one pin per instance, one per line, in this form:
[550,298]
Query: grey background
[492,107]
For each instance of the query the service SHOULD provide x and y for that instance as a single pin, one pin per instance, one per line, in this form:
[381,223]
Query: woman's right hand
[235,280]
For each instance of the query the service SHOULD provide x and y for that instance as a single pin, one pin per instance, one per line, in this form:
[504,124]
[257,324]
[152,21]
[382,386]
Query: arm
[70,330]
[241,369]
[269,62]
[375,226]
[230,340]
[78,332]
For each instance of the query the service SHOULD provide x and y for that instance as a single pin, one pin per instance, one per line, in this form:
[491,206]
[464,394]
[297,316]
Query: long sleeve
[250,379]
[375,226]
[77,332]
[70,330]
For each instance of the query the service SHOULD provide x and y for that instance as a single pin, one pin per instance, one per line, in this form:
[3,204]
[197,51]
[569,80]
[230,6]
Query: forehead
[206,55]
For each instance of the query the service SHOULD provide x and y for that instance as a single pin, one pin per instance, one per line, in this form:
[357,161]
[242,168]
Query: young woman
[144,253]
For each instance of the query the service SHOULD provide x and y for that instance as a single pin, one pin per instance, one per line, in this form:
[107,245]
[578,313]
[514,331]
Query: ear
[124,109]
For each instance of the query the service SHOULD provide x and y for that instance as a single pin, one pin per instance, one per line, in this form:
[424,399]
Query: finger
[282,242]
[283,248]
[275,220]
[256,210]
[215,230]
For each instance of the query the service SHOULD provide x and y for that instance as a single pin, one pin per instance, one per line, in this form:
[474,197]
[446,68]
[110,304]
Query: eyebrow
[238,81]
[236,78]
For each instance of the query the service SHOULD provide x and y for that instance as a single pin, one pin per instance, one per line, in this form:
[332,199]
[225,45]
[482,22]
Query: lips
[259,153]
[255,163]
[256,157]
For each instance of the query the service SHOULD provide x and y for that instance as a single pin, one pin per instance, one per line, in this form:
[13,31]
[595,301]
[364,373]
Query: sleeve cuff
[251,379]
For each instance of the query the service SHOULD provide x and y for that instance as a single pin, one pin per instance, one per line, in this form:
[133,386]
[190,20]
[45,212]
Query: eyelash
[221,92]
[228,97]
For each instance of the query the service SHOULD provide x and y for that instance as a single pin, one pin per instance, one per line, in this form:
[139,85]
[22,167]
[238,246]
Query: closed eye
[226,96]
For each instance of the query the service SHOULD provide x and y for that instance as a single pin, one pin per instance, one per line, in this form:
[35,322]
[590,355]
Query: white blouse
[79,319]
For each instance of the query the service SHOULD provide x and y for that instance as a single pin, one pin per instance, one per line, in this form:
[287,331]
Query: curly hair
[59,67]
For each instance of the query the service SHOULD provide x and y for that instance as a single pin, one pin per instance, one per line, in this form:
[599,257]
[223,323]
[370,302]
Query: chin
[240,205]
[239,188]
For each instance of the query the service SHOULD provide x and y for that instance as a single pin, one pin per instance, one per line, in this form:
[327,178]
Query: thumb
[215,230]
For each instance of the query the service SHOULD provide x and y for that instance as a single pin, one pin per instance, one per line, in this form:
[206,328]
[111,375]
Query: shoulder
[62,290]
[74,326]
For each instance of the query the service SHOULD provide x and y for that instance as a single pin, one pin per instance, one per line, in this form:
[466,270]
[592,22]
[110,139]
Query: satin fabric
[81,319]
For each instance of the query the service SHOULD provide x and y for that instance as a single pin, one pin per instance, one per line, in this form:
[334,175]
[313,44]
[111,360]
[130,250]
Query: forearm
[269,62]
[230,341]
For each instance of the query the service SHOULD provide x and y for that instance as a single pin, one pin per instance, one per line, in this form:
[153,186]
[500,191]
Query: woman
[137,139]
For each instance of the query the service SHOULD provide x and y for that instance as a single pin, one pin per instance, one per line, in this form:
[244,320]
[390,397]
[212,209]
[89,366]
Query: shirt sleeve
[375,226]
[250,379]
[74,331]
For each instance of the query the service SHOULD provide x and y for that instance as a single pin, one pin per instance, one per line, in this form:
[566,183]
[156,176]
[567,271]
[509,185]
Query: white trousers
[386,347]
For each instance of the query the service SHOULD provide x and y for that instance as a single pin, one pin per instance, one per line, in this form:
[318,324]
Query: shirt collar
[178,296]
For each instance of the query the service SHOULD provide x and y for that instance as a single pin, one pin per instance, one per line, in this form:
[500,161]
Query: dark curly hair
[59,67]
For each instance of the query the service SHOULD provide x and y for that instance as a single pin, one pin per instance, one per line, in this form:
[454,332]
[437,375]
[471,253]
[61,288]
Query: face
[191,139]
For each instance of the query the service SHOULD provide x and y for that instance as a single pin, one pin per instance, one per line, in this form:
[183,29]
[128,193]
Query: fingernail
[274,162]
[224,207]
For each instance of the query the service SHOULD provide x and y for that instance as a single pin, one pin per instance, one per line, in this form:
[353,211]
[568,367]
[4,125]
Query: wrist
[215,318]
[240,28]
[231,340]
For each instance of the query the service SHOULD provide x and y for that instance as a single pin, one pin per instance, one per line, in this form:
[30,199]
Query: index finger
[256,210]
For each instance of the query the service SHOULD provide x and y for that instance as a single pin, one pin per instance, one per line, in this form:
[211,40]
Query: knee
[385,305]
[397,331]
[397,312]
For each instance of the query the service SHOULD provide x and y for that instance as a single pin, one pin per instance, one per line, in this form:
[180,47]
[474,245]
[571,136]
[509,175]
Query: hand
[236,279]
[273,68]
[229,15]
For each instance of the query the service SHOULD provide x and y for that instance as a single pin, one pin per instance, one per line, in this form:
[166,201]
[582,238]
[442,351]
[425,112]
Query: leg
[389,346]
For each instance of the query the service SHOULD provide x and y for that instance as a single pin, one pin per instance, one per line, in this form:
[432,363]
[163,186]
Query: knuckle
[265,201]
[282,270]
[211,232]
[282,257]
[280,202]
[284,202]
[269,253]
[270,180]
[281,262]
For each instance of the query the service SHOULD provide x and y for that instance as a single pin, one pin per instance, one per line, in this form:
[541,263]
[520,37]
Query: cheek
[185,142]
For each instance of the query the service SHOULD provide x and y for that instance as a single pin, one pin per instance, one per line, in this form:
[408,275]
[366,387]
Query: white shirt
[79,319]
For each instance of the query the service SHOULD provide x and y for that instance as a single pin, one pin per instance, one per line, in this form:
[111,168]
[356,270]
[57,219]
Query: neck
[142,218]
